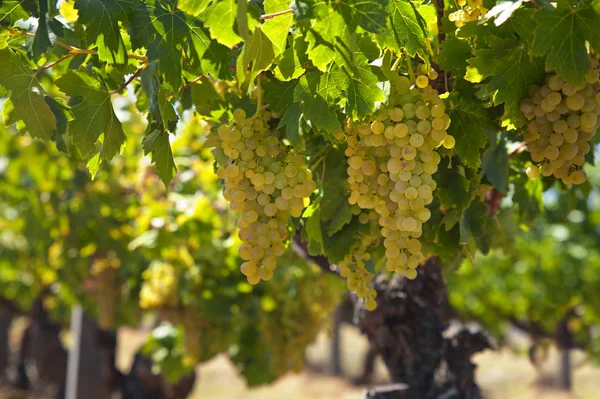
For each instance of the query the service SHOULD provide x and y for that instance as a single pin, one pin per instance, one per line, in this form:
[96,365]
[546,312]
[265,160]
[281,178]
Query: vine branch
[50,65]
[131,78]
[72,49]
[275,14]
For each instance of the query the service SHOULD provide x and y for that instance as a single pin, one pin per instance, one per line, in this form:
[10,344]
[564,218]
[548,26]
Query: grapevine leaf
[276,29]
[339,244]
[470,120]
[163,113]
[220,20]
[257,55]
[513,70]
[293,59]
[528,196]
[93,115]
[321,115]
[58,109]
[207,56]
[494,162]
[26,102]
[193,7]
[407,30]
[41,40]
[316,109]
[342,217]
[478,225]
[483,65]
[312,214]
[12,10]
[334,204]
[514,74]
[371,14]
[279,94]
[156,143]
[291,121]
[101,18]
[362,91]
[454,54]
[328,33]
[452,185]
[302,9]
[561,34]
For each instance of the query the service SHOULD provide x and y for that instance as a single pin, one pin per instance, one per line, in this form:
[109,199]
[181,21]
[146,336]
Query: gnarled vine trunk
[407,331]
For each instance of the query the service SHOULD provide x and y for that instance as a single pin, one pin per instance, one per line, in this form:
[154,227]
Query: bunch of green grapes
[391,162]
[471,10]
[266,183]
[299,312]
[353,269]
[563,118]
[159,288]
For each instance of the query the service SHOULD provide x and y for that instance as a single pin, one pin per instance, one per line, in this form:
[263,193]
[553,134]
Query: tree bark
[406,330]
[565,342]
[5,323]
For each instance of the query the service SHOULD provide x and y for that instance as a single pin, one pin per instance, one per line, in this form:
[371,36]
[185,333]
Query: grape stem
[411,72]
[518,150]
[396,64]
[72,49]
[50,65]
[275,14]
[259,95]
[131,79]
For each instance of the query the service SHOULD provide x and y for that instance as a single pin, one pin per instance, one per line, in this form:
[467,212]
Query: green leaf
[41,40]
[513,70]
[26,102]
[206,55]
[291,121]
[220,20]
[407,30]
[101,18]
[310,90]
[93,115]
[293,61]
[561,34]
[362,89]
[454,54]
[12,10]
[339,244]
[494,162]
[163,113]
[257,55]
[328,36]
[157,144]
[277,29]
[193,7]
[334,202]
[470,120]
[452,185]
[312,214]
[371,14]
[279,95]
[528,196]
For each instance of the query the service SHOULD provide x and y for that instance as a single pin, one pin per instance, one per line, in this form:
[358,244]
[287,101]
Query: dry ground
[502,375]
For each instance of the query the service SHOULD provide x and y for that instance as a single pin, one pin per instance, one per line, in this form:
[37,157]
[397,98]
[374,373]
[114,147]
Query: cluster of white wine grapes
[353,269]
[391,161]
[563,118]
[267,183]
[471,10]
[160,286]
